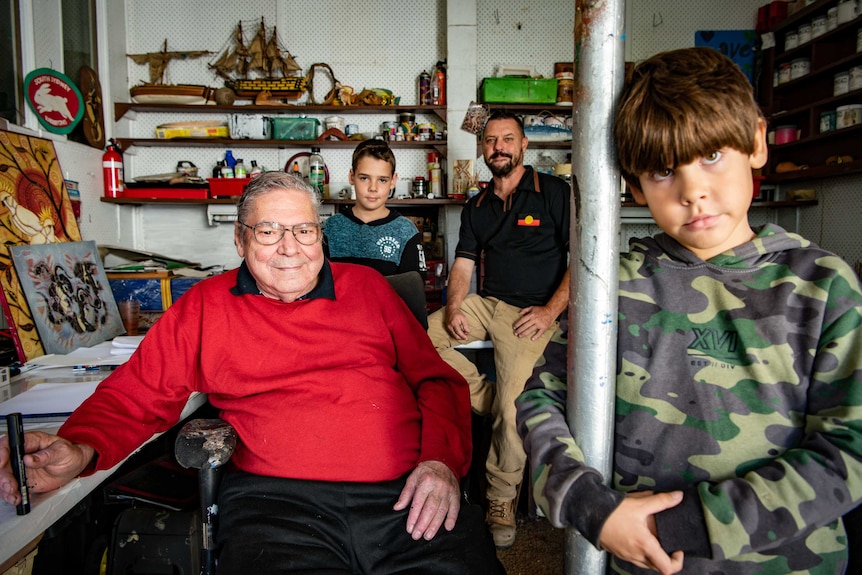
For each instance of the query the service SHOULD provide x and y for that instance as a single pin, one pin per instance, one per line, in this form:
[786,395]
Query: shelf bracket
[220,213]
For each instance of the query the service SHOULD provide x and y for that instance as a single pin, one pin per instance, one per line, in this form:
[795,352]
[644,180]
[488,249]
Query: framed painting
[34,209]
[68,294]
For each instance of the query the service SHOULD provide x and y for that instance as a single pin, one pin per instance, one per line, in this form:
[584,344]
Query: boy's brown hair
[377,149]
[682,105]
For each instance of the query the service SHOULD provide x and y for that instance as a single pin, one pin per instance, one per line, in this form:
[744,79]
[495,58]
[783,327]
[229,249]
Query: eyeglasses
[270,233]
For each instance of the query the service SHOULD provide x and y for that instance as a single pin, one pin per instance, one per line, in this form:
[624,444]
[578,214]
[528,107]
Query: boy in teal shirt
[738,429]
[369,233]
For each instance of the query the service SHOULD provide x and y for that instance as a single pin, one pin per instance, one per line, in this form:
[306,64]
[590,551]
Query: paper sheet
[49,399]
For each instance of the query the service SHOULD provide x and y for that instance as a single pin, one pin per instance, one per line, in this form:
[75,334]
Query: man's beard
[502,170]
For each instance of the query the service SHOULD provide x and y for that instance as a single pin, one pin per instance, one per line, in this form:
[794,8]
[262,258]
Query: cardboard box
[519,90]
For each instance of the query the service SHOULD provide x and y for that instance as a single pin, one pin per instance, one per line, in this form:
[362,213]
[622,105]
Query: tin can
[819,26]
[791,41]
[420,188]
[841,84]
[846,116]
[804,32]
[799,67]
[784,73]
[827,121]
[832,18]
[846,11]
[425,88]
[855,78]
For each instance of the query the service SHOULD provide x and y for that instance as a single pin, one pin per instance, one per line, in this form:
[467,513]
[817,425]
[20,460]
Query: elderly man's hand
[434,497]
[50,461]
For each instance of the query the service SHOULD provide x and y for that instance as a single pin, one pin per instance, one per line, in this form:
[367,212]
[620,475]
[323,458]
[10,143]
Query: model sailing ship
[259,65]
[157,91]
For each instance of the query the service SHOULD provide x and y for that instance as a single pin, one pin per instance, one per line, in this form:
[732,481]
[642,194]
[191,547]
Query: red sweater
[343,389]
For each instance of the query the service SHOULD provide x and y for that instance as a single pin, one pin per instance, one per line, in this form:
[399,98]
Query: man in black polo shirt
[521,224]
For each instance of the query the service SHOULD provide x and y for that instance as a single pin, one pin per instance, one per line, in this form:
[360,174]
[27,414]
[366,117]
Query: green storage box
[519,90]
[294,128]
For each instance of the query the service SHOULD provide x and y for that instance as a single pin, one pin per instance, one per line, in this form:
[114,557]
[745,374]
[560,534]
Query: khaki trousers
[514,359]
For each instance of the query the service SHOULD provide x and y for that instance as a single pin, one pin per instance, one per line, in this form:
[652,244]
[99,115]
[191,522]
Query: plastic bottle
[226,171]
[545,164]
[255,169]
[229,160]
[239,170]
[438,88]
[317,172]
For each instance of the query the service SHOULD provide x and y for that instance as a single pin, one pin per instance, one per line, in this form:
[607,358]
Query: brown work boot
[501,522]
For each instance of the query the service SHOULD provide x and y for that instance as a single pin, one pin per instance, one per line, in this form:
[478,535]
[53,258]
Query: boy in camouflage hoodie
[738,429]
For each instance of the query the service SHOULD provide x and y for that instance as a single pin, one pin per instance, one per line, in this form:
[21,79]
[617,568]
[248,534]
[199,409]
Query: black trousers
[272,525]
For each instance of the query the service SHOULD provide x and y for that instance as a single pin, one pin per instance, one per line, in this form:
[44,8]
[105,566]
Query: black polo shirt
[525,239]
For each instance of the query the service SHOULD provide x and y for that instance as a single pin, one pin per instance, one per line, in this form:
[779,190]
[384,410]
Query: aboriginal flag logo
[529,221]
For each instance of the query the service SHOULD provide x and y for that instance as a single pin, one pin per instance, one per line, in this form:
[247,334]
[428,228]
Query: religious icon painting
[68,293]
[34,209]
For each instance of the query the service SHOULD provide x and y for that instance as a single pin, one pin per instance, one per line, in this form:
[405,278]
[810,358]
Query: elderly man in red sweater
[353,433]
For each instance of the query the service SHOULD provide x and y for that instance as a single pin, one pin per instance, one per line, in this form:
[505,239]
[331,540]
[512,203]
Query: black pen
[15,427]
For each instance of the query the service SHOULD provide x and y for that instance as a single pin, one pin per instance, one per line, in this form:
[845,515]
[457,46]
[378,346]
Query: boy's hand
[630,533]
[51,462]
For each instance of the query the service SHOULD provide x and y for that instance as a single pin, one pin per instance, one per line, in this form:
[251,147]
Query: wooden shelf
[126,143]
[199,202]
[121,108]
[801,101]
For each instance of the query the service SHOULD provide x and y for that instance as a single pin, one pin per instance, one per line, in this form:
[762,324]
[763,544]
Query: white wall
[381,44]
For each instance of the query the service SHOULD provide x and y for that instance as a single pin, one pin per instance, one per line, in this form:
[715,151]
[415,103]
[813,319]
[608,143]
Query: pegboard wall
[387,44]
[367,45]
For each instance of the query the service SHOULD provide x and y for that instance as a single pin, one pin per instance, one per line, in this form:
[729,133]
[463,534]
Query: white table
[19,534]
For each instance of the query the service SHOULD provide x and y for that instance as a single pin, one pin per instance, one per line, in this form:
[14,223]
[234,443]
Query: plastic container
[545,164]
[227,186]
[294,128]
[804,33]
[785,134]
[791,41]
[239,170]
[317,172]
[855,78]
[519,90]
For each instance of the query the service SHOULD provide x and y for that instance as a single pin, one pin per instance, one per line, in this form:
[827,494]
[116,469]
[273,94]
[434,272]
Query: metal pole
[594,252]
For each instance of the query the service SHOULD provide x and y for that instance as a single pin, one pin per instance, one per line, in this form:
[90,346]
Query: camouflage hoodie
[739,381]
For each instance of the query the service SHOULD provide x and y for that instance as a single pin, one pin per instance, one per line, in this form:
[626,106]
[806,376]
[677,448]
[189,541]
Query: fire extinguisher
[112,170]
